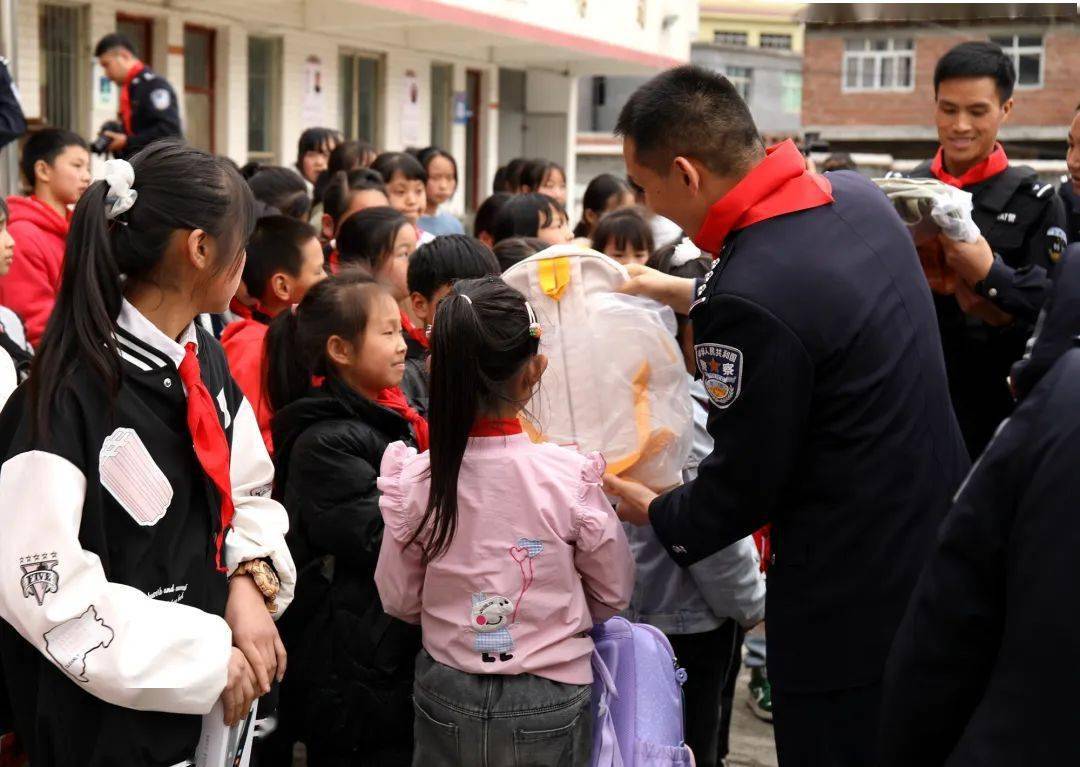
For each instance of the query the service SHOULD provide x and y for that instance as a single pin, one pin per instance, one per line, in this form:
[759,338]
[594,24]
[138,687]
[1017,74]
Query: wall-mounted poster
[313,110]
[410,110]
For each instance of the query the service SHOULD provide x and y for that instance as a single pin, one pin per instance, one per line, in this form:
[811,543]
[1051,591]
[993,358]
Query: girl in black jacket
[348,690]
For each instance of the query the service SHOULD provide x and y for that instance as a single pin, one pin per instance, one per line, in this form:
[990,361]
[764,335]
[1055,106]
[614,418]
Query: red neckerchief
[412,331]
[208,438]
[125,95]
[991,166]
[495,427]
[394,399]
[52,210]
[778,185]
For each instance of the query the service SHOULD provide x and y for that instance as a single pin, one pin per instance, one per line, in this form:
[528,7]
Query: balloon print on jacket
[493,615]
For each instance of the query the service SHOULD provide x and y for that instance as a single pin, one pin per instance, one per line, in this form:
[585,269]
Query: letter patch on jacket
[721,372]
[71,641]
[130,475]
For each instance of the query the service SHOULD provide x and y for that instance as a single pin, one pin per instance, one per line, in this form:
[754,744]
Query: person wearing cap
[815,338]
[1004,276]
[148,108]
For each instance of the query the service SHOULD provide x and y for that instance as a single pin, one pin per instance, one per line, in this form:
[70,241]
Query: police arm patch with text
[721,370]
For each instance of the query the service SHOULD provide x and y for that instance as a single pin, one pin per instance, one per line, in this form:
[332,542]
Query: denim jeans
[490,720]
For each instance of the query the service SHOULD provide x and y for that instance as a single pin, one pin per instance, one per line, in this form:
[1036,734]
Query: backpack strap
[606,746]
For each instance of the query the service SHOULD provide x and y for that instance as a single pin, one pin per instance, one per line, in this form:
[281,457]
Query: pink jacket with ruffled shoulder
[538,556]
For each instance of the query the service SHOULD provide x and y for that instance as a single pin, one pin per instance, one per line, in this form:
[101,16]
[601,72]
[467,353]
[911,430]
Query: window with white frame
[791,92]
[64,84]
[740,77]
[879,64]
[360,89]
[1027,55]
[725,37]
[264,85]
[776,42]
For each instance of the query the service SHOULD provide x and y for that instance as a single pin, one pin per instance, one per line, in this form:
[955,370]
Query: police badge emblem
[161,99]
[721,371]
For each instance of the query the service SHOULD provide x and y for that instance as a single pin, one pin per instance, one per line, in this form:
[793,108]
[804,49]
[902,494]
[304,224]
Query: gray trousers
[479,720]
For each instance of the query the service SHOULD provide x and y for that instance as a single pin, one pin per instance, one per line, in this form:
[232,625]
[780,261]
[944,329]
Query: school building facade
[486,79]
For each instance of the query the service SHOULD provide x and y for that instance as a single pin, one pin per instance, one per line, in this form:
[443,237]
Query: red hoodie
[245,349]
[30,287]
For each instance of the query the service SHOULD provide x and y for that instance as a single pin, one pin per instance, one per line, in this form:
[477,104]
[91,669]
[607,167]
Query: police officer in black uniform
[1069,191]
[148,108]
[1004,277]
[816,340]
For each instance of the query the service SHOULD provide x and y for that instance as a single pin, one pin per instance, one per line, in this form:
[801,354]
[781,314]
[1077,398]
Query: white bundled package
[616,381]
[930,207]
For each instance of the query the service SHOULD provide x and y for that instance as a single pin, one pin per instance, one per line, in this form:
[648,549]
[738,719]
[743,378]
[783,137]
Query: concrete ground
[751,742]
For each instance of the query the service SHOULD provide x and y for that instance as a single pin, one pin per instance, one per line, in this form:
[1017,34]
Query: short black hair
[626,226]
[977,58]
[281,189]
[339,189]
[366,238]
[389,163]
[535,173]
[447,259]
[276,246]
[715,126]
[426,155]
[524,215]
[488,212]
[113,40]
[317,140]
[47,144]
[514,249]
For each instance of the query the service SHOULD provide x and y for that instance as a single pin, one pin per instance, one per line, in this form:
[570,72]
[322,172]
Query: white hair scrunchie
[119,175]
[685,252]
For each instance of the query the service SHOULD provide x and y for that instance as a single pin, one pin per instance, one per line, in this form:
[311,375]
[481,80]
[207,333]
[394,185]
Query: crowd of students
[246,389]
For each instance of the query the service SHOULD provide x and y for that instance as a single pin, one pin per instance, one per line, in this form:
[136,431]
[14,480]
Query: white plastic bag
[616,381]
[928,206]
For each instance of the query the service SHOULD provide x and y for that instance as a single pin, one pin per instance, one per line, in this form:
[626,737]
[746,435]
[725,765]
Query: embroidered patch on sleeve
[721,372]
[1057,241]
[39,576]
[161,99]
[130,475]
[71,641]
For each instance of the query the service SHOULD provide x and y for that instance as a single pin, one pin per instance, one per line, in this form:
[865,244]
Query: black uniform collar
[995,192]
[143,345]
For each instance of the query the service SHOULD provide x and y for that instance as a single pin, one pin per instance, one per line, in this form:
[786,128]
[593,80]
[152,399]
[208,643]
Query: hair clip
[535,331]
[427,331]
[466,298]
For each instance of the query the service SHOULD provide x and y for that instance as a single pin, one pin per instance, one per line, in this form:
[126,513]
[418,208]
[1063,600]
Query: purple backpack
[637,698]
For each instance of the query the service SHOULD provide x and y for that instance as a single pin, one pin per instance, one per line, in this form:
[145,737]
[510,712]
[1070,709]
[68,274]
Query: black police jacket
[987,659]
[840,432]
[1071,202]
[155,113]
[1023,220]
[350,664]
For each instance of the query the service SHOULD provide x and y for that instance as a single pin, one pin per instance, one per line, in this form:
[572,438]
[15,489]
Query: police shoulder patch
[721,370]
[161,99]
[1057,241]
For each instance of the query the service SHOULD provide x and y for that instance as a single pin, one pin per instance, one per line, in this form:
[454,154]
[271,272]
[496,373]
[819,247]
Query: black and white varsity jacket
[113,639]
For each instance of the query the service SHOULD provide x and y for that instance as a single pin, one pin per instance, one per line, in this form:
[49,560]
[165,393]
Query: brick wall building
[868,72]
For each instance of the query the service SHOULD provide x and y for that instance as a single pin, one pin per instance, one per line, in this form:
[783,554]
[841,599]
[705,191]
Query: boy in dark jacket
[433,269]
[960,685]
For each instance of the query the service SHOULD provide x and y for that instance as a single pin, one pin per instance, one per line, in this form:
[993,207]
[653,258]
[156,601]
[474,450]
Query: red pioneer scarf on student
[394,399]
[991,166]
[211,446]
[778,185]
[125,95]
[413,332]
[495,427]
